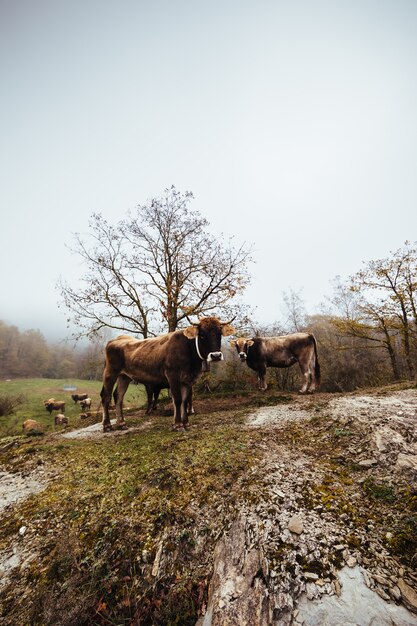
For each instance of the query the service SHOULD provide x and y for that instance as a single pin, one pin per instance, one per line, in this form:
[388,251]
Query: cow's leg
[177,402]
[186,399]
[190,408]
[262,378]
[312,368]
[106,391]
[305,374]
[149,394]
[123,383]
[156,393]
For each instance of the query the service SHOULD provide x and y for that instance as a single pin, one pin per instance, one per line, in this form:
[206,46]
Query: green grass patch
[35,390]
[379,490]
[101,520]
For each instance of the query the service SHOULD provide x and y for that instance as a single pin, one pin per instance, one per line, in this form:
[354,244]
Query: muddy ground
[329,534]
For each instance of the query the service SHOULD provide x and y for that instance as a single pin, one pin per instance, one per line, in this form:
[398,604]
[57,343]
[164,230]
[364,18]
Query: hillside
[270,510]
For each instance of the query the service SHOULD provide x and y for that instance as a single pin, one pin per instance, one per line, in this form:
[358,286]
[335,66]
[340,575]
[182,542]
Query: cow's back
[148,360]
[279,351]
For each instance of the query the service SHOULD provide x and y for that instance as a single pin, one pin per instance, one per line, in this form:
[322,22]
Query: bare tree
[154,269]
[294,310]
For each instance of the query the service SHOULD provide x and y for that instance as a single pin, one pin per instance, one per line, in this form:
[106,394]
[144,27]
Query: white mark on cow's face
[242,347]
[215,356]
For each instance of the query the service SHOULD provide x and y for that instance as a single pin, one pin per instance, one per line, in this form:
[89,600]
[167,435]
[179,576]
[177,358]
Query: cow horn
[191,322]
[229,322]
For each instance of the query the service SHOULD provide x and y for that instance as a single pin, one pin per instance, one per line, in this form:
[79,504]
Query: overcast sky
[294,123]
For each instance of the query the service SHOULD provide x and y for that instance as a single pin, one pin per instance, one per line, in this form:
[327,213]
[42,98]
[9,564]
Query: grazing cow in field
[175,360]
[262,352]
[85,404]
[77,397]
[54,406]
[61,420]
[29,425]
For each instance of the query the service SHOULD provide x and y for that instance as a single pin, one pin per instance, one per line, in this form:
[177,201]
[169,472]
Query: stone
[382,594]
[407,461]
[356,605]
[395,593]
[408,594]
[311,591]
[368,463]
[295,525]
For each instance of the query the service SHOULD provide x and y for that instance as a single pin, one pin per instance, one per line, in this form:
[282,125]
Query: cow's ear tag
[190,332]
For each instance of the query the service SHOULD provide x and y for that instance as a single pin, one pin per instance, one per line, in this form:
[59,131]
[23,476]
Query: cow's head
[242,346]
[208,332]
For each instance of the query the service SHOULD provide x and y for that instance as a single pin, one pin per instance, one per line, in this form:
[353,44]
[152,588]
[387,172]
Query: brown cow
[32,426]
[79,396]
[54,406]
[175,360]
[262,352]
[61,420]
[85,404]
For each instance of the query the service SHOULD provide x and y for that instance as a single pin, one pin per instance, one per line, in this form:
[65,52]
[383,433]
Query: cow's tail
[316,363]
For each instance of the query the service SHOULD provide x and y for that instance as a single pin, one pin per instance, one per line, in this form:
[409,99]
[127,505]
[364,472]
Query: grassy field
[35,390]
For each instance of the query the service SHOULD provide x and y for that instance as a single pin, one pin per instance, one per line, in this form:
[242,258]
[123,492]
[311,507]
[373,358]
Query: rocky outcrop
[299,556]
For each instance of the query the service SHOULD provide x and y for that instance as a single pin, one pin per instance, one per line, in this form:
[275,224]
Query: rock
[295,525]
[406,461]
[350,561]
[22,531]
[382,594]
[312,591]
[368,462]
[408,594]
[395,593]
[381,580]
[356,605]
[279,493]
[311,576]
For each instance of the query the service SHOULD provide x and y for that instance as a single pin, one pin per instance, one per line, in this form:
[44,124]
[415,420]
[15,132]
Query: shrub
[9,403]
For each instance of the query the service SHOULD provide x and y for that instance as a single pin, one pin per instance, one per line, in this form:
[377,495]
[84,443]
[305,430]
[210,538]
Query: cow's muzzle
[215,356]
[242,356]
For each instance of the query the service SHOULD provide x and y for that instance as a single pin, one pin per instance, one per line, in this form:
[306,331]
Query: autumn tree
[154,269]
[390,286]
[379,303]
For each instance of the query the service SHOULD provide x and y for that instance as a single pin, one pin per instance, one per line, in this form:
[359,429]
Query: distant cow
[85,404]
[175,360]
[32,425]
[262,352]
[77,397]
[61,419]
[54,406]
